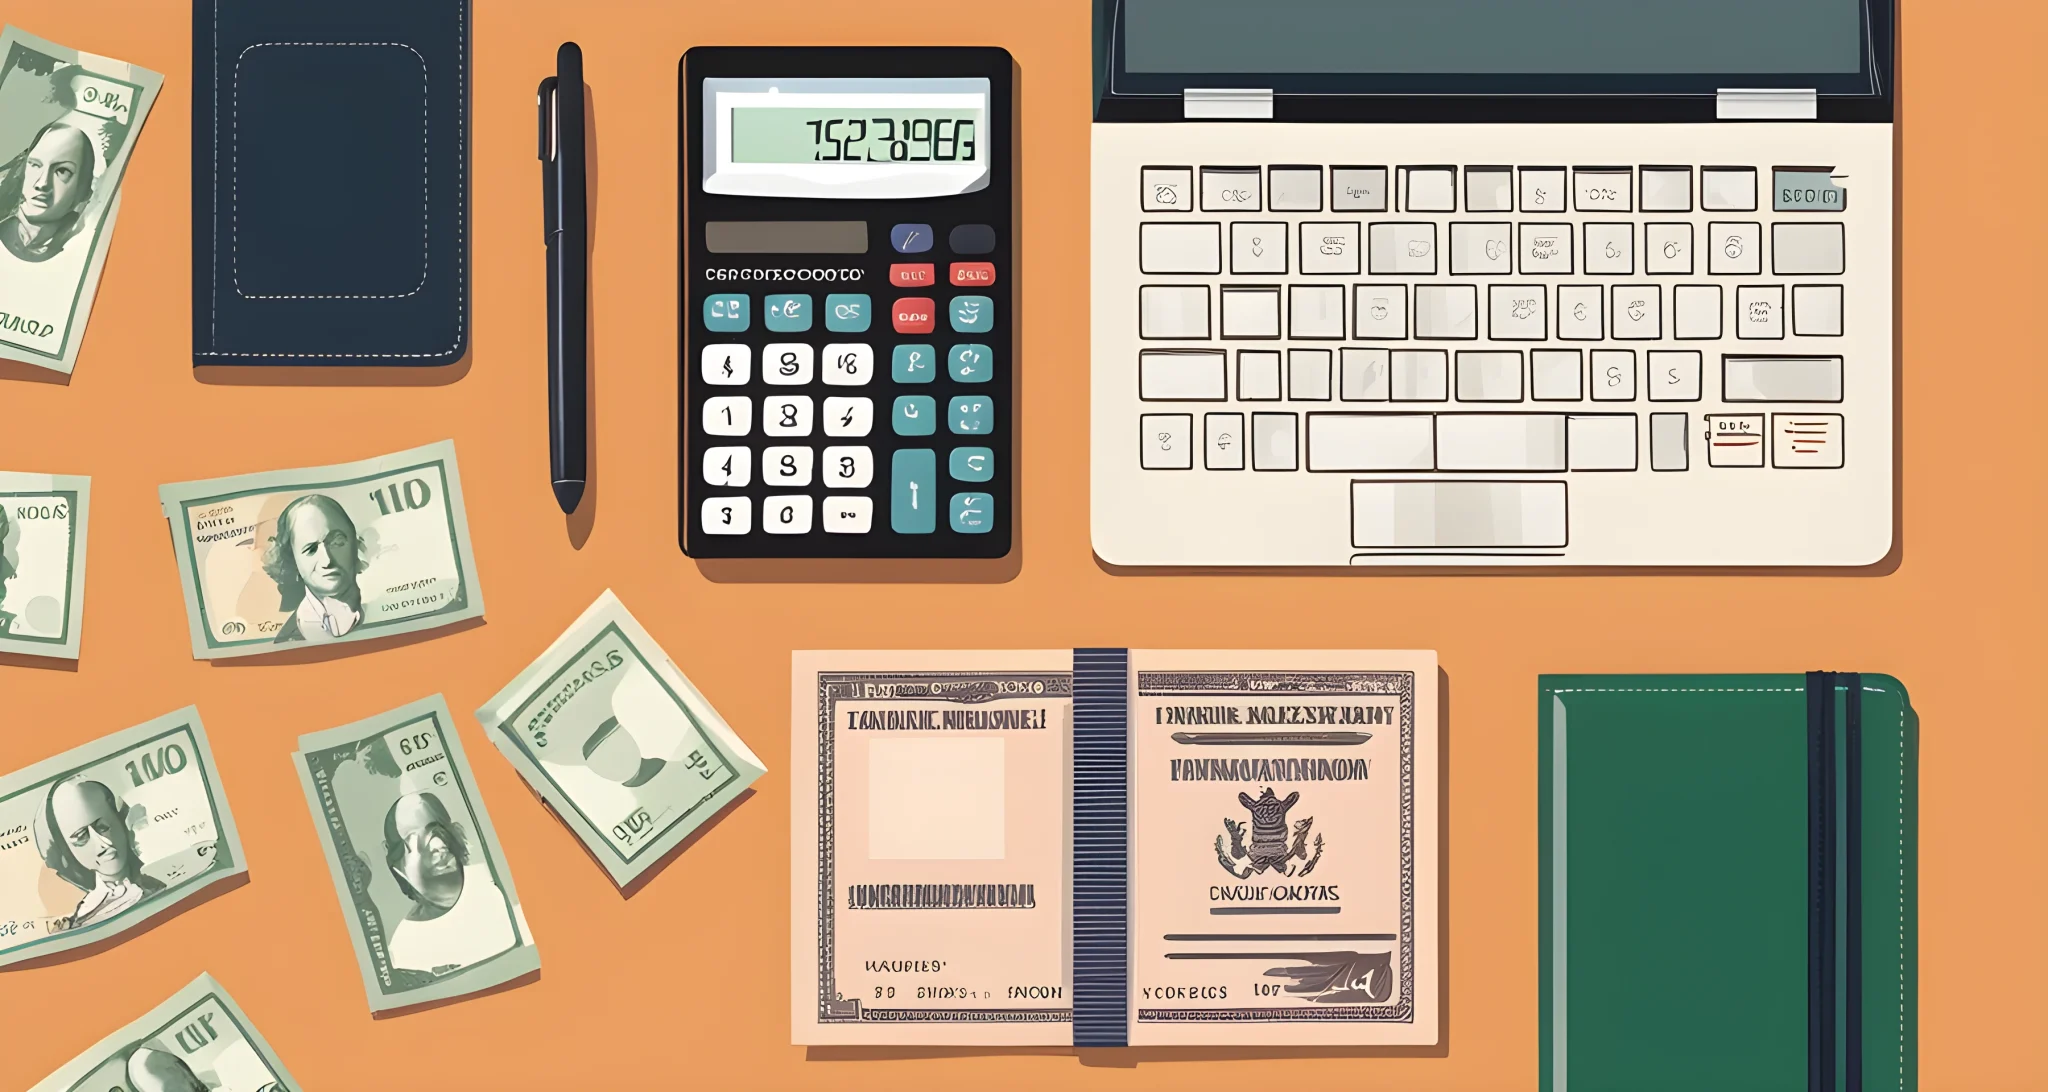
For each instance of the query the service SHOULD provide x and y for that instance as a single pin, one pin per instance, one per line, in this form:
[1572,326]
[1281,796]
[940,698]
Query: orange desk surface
[691,976]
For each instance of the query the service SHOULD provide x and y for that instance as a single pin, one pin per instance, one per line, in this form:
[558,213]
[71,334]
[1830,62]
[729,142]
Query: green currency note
[423,883]
[42,562]
[350,552]
[102,838]
[618,742]
[68,121]
[197,1041]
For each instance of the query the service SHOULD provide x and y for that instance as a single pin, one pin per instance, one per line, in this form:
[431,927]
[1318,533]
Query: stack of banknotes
[95,843]
[68,122]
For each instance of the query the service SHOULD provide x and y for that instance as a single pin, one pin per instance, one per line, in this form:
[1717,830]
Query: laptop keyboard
[1532,342]
[1649,319]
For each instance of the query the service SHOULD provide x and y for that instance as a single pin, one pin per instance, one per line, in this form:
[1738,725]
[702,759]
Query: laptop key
[1230,189]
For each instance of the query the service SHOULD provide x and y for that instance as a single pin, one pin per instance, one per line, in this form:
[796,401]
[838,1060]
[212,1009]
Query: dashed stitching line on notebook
[235,175]
[461,206]
[1900,872]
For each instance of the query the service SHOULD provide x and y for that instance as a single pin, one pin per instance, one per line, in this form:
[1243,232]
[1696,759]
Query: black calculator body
[847,303]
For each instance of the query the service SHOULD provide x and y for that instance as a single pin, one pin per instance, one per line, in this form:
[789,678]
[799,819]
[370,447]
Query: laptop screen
[1492,46]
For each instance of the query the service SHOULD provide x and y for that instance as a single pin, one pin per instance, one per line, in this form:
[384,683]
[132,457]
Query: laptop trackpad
[1457,514]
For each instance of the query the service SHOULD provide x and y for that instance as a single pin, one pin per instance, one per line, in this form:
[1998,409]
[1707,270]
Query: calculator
[847,303]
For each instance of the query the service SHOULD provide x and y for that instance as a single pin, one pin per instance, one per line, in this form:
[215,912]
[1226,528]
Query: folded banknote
[102,838]
[617,741]
[1114,847]
[42,562]
[349,552]
[198,1041]
[73,117]
[424,888]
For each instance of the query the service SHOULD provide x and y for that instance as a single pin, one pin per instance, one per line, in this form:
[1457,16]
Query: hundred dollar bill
[100,839]
[1115,847]
[617,741]
[349,552]
[68,121]
[198,1041]
[42,562]
[423,882]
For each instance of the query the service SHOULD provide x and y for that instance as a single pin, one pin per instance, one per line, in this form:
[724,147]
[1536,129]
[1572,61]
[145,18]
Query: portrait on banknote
[8,564]
[315,556]
[44,192]
[67,122]
[102,837]
[42,562]
[426,893]
[198,1040]
[84,836]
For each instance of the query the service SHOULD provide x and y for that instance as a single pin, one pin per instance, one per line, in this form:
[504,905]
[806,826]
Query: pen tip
[568,494]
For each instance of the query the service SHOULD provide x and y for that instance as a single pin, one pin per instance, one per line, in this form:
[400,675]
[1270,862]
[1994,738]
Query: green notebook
[1727,882]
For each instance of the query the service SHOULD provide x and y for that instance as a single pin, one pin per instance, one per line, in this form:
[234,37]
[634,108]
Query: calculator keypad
[794,383]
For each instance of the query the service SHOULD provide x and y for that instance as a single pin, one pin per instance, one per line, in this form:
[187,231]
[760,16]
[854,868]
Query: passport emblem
[1273,844]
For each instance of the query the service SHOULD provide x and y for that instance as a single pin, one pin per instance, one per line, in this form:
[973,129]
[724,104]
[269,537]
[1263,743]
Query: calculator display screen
[851,138]
[772,134]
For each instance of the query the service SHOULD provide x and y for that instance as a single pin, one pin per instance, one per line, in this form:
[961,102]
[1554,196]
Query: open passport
[1114,847]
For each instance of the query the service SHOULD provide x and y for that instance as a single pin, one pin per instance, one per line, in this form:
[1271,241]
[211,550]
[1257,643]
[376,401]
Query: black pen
[561,171]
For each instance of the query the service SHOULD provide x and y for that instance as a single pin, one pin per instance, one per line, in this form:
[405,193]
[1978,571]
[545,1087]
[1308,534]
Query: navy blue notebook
[330,187]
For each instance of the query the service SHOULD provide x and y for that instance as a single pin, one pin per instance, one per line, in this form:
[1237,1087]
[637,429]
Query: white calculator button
[849,365]
[728,415]
[789,466]
[728,365]
[848,467]
[849,515]
[728,466]
[849,416]
[787,515]
[786,415]
[787,364]
[728,516]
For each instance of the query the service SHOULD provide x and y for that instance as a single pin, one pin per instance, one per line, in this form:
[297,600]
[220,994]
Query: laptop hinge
[1238,103]
[1766,104]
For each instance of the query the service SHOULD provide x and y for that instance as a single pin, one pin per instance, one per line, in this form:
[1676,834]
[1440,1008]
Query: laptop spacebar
[1420,515]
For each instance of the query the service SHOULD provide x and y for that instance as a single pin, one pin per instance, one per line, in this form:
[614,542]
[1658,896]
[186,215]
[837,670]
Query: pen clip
[548,128]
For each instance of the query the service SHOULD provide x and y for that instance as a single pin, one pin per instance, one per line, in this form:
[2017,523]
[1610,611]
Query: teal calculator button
[970,363]
[971,464]
[973,314]
[971,414]
[786,314]
[914,364]
[973,513]
[915,415]
[725,313]
[846,313]
[913,492]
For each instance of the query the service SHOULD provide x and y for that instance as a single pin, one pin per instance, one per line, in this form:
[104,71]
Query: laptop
[1493,283]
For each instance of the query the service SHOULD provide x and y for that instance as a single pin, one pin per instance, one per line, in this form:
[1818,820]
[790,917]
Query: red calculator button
[914,315]
[973,274]
[914,275]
